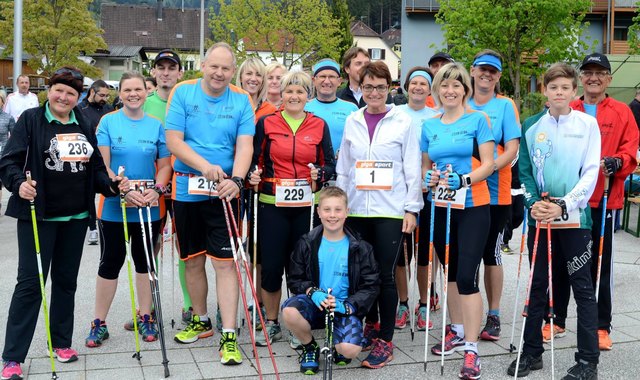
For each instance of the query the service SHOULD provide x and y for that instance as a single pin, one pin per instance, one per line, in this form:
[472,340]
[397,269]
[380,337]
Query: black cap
[169,55]
[597,59]
[440,56]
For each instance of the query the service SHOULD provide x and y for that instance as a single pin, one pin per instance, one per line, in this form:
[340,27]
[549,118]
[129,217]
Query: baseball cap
[325,64]
[598,59]
[488,60]
[440,56]
[169,55]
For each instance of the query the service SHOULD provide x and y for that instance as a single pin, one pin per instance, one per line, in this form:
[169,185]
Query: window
[189,65]
[117,62]
[376,54]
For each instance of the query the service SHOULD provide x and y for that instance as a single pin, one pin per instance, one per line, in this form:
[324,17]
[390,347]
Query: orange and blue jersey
[134,144]
[505,126]
[210,126]
[457,144]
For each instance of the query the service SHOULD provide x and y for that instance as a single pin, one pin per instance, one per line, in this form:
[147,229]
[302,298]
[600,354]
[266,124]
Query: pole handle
[606,184]
[28,173]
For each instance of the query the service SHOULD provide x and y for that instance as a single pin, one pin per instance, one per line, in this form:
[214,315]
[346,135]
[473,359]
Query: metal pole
[609,39]
[17,43]
[201,31]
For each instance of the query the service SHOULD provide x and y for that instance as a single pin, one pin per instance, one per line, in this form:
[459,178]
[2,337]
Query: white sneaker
[93,237]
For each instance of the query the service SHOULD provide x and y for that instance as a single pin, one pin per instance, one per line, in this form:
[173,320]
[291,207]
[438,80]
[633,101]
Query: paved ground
[200,360]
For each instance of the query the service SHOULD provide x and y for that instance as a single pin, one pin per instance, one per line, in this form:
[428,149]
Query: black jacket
[93,112]
[364,276]
[29,136]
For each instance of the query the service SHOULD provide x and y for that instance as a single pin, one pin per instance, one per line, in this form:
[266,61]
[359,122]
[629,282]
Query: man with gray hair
[18,102]
[210,128]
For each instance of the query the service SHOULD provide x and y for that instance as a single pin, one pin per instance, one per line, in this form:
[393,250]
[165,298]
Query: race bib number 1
[374,175]
[74,147]
[444,196]
[293,193]
[199,185]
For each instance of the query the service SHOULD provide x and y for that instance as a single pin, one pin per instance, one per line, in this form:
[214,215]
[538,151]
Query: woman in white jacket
[379,168]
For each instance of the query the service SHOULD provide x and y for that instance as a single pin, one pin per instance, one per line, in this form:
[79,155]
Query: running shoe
[371,331]
[402,315]
[187,315]
[604,340]
[471,367]
[380,355]
[97,334]
[148,329]
[434,302]
[229,351]
[93,237]
[504,248]
[274,331]
[452,343]
[65,355]
[582,371]
[11,370]
[558,332]
[421,318]
[527,364]
[196,329]
[258,324]
[294,342]
[340,359]
[309,359]
[491,330]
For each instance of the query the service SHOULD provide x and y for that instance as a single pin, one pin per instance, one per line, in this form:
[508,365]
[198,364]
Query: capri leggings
[469,229]
[279,228]
[499,216]
[113,251]
[346,328]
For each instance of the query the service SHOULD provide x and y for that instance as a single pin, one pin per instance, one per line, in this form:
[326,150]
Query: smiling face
[274,79]
[374,93]
[595,80]
[332,212]
[560,92]
[217,69]
[451,93]
[167,73]
[294,98]
[326,83]
[485,77]
[62,99]
[133,93]
[418,90]
[251,81]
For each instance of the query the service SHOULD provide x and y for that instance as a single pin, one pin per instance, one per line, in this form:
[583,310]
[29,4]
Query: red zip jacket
[282,154]
[619,138]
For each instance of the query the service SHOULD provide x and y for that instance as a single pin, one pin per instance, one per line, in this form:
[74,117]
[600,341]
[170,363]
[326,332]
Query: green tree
[340,11]
[634,33]
[283,27]
[529,34]
[55,33]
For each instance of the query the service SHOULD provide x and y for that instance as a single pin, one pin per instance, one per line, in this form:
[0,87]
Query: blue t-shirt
[505,126]
[590,109]
[418,117]
[333,257]
[335,114]
[210,126]
[134,144]
[455,144]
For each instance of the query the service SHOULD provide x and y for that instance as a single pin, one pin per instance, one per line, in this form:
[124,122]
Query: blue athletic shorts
[346,328]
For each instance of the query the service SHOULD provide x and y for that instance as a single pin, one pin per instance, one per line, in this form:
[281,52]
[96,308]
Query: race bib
[136,184]
[199,185]
[293,193]
[374,175]
[74,147]
[444,196]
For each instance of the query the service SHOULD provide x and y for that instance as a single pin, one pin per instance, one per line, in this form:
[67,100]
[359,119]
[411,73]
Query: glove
[611,165]
[429,176]
[318,296]
[344,307]
[454,180]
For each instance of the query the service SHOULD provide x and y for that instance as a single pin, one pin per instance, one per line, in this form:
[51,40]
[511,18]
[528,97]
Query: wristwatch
[562,204]
[466,180]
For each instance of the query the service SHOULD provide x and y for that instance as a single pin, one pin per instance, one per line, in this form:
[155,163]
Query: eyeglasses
[325,77]
[599,74]
[102,95]
[74,74]
[369,88]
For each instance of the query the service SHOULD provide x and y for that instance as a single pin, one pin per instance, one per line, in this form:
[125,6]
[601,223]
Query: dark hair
[487,52]
[561,70]
[152,80]
[414,69]
[377,69]
[70,76]
[96,86]
[350,54]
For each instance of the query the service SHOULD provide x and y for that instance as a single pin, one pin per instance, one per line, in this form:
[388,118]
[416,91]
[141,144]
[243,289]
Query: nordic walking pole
[173,273]
[545,196]
[312,183]
[525,311]
[408,276]
[255,250]
[327,350]
[515,305]
[45,309]
[445,284]
[414,277]
[123,206]
[153,282]
[431,223]
[600,247]
[241,253]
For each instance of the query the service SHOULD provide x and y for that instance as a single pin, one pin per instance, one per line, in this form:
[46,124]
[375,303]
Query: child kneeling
[330,257]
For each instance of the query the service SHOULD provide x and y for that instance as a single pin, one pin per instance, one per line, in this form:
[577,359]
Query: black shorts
[492,254]
[201,229]
[424,232]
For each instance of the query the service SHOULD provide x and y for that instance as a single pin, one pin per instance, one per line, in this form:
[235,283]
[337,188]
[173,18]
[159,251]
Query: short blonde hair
[255,64]
[297,78]
[453,71]
[3,97]
[333,192]
[273,66]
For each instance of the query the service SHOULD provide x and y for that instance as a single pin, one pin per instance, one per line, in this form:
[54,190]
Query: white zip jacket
[393,140]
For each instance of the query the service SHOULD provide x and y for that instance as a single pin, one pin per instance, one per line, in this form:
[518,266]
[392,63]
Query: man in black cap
[619,143]
[435,63]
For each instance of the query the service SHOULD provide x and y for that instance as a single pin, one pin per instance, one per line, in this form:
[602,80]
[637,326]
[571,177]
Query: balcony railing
[619,47]
[421,6]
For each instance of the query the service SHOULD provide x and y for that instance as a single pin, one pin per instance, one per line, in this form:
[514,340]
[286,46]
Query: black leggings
[113,250]
[469,229]
[385,235]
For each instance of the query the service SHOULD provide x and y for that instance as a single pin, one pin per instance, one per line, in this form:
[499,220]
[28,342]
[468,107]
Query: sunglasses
[75,74]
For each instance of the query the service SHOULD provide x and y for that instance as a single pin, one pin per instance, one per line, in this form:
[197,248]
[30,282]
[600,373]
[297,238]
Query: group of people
[346,182]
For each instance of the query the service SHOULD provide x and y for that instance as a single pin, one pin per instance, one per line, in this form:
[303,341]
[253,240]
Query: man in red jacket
[619,140]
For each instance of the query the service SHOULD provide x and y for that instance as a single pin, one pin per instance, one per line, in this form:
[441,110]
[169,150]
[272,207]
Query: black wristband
[312,290]
[114,186]
[238,181]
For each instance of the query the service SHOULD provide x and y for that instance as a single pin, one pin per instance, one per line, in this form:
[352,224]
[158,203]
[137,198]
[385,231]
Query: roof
[391,36]
[360,29]
[9,57]
[123,51]
[284,38]
[138,25]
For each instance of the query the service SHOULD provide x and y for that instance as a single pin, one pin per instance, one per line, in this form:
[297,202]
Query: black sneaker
[339,359]
[527,364]
[582,371]
[491,330]
[310,360]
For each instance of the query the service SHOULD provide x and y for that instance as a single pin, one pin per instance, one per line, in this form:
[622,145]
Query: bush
[532,103]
